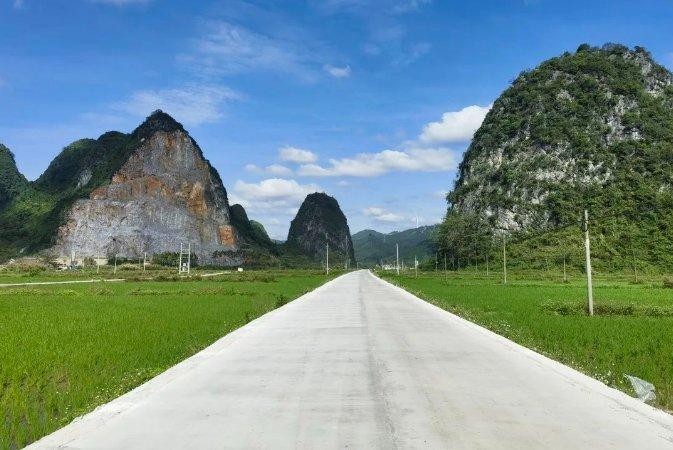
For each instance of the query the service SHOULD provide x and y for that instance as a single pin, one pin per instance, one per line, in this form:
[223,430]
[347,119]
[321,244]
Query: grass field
[632,332]
[67,349]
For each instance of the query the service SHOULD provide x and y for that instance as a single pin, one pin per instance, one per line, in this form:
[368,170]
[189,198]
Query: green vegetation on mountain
[373,248]
[591,129]
[12,183]
[253,233]
[318,222]
[260,231]
[88,164]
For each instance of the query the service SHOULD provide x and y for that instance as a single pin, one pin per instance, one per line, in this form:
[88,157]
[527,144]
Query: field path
[94,280]
[49,283]
[361,364]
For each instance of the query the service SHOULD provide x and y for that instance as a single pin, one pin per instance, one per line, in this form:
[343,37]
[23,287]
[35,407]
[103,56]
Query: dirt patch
[226,235]
[196,202]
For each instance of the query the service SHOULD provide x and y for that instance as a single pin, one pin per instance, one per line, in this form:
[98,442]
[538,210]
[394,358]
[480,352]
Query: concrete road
[361,364]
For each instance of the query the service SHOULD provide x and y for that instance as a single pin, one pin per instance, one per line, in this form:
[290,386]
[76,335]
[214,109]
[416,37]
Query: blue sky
[371,101]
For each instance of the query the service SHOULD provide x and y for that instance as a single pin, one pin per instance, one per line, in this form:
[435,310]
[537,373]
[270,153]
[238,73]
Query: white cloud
[338,72]
[381,215]
[426,154]
[273,169]
[272,195]
[227,48]
[455,126]
[18,4]
[440,194]
[119,2]
[278,169]
[409,5]
[192,105]
[385,33]
[371,49]
[363,6]
[410,55]
[376,164]
[297,155]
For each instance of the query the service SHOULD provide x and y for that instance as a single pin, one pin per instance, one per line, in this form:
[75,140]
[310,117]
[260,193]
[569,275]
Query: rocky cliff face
[320,221]
[587,129]
[162,194]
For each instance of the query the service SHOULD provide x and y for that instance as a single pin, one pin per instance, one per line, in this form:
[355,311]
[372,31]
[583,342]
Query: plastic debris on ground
[644,390]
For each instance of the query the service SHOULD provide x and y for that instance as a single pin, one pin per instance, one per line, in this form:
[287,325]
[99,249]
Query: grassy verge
[632,332]
[19,276]
[66,349]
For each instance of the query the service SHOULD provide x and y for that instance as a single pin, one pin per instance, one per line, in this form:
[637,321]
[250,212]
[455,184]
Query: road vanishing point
[359,363]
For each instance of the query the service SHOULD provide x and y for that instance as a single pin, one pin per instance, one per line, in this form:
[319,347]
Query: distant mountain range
[373,247]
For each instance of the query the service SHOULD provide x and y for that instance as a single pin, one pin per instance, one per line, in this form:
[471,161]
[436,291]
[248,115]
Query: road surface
[361,364]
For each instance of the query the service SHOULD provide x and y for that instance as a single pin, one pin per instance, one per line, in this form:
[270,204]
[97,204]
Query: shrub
[100,291]
[281,300]
[89,262]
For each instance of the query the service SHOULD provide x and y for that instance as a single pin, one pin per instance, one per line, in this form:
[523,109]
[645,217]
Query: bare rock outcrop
[319,222]
[164,194]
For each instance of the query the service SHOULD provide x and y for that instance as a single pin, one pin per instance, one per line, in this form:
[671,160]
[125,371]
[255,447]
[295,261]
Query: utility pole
[145,262]
[504,260]
[327,259]
[587,252]
[416,265]
[397,258]
[189,258]
[115,269]
[635,270]
[180,260]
